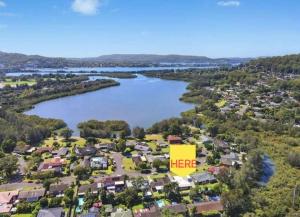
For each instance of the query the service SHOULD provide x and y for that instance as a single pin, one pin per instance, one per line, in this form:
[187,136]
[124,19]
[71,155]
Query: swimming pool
[160,203]
[80,204]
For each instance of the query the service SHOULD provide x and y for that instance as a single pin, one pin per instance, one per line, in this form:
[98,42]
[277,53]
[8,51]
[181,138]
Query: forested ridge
[282,64]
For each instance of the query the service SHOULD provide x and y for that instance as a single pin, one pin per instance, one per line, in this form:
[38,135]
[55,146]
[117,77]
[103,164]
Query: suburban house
[42,150]
[203,178]
[31,195]
[205,207]
[151,158]
[51,212]
[113,183]
[7,199]
[53,164]
[93,212]
[177,209]
[106,147]
[131,143]
[148,212]
[220,145]
[137,160]
[184,183]
[214,170]
[174,139]
[57,190]
[142,148]
[93,188]
[56,167]
[231,159]
[159,183]
[86,151]
[162,144]
[99,162]
[62,152]
[122,213]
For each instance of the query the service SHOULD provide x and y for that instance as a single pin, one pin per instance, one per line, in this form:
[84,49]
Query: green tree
[129,197]
[8,165]
[8,145]
[172,192]
[43,202]
[66,133]
[194,193]
[121,145]
[156,164]
[138,132]
[82,172]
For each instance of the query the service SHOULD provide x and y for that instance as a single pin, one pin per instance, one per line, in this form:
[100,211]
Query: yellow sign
[182,159]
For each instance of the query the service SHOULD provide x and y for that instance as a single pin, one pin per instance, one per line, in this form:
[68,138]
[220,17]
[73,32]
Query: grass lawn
[134,152]
[221,103]
[104,140]
[138,207]
[187,198]
[154,137]
[22,215]
[158,195]
[158,176]
[152,145]
[29,82]
[166,150]
[61,141]
[128,164]
[109,170]
[78,141]
[202,168]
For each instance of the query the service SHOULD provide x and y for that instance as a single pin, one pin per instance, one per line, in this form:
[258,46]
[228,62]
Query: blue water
[141,102]
[160,203]
[269,169]
[101,69]
[80,204]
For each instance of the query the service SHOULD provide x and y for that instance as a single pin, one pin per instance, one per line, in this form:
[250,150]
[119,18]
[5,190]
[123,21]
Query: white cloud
[86,7]
[2,4]
[229,3]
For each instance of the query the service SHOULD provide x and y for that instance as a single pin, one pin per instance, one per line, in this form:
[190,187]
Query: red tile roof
[207,206]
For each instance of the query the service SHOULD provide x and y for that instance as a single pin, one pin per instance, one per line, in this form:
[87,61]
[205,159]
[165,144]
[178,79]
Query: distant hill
[22,60]
[280,64]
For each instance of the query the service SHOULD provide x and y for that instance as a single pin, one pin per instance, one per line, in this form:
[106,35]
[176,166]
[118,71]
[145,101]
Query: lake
[141,102]
[77,70]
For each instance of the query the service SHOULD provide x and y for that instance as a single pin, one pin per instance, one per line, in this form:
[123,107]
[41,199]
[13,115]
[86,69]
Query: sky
[89,28]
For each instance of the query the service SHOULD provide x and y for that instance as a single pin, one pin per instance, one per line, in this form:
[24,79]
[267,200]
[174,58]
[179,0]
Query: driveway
[118,157]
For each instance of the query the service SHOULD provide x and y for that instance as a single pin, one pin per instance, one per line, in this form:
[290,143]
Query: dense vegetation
[121,75]
[284,64]
[15,128]
[174,126]
[104,129]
